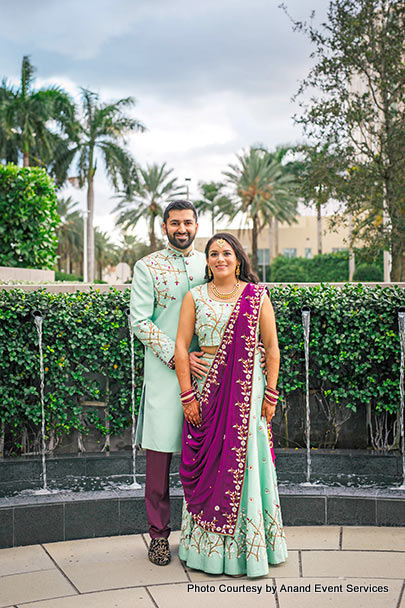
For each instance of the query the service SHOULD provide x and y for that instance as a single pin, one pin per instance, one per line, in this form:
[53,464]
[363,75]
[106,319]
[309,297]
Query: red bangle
[186,393]
[186,402]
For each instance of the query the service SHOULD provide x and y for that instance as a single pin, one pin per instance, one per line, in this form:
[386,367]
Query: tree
[289,168]
[101,131]
[105,250]
[27,117]
[70,235]
[356,107]
[261,192]
[151,187]
[314,168]
[213,201]
[132,249]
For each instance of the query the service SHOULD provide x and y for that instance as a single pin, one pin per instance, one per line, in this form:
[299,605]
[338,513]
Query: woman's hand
[268,410]
[192,412]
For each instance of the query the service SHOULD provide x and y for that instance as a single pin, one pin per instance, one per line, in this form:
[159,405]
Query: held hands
[198,368]
[192,412]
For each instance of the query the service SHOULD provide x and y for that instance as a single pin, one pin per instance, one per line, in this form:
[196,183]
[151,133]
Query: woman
[231,515]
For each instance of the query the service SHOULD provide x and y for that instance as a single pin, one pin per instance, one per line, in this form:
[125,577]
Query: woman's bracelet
[271,395]
[187,397]
[187,392]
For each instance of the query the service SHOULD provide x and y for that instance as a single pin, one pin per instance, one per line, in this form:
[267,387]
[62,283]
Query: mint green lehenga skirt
[259,538]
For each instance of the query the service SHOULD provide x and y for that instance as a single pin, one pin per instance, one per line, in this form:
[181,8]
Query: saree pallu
[249,535]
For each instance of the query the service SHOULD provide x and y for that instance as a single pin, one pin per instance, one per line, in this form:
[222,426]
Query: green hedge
[354,353]
[28,211]
[325,267]
[85,341]
[64,276]
[354,343]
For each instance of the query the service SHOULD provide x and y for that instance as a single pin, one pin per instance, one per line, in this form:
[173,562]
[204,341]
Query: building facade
[298,240]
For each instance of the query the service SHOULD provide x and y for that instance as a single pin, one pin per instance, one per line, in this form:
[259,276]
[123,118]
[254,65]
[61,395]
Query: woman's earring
[209,273]
[237,271]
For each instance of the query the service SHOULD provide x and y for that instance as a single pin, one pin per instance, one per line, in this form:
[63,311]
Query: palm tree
[315,170]
[213,201]
[70,233]
[26,117]
[288,168]
[131,249]
[101,131]
[154,186]
[105,250]
[262,191]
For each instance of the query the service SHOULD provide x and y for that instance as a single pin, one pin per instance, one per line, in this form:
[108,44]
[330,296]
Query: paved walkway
[328,566]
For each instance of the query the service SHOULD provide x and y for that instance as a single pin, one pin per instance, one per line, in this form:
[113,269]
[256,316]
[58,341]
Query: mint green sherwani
[160,282]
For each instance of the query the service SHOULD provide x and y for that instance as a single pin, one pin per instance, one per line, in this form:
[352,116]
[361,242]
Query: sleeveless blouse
[211,316]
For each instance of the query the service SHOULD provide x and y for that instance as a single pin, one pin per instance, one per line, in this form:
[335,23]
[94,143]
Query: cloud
[169,48]
[211,78]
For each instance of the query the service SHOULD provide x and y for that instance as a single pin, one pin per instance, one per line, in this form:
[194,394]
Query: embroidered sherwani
[160,282]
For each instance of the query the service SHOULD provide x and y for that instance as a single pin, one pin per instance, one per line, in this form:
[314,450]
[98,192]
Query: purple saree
[213,463]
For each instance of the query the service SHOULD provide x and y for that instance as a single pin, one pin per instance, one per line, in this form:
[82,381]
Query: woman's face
[222,259]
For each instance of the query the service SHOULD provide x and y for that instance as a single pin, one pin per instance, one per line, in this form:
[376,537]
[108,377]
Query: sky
[210,78]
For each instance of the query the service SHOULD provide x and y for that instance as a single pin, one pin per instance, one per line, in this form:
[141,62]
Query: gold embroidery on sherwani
[159,265]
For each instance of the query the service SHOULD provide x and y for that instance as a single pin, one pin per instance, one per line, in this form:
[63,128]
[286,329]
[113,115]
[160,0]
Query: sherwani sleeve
[142,305]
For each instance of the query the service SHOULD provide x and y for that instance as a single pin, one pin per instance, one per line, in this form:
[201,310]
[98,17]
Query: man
[159,285]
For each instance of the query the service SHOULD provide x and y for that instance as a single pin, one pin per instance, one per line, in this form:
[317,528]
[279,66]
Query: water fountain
[38,317]
[401,327]
[306,316]
[135,485]
[119,509]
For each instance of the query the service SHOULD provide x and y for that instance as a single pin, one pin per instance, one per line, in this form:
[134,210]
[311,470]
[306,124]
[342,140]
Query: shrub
[368,272]
[28,212]
[64,276]
[354,354]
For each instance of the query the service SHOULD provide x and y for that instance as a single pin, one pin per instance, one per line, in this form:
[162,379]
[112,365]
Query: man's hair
[178,205]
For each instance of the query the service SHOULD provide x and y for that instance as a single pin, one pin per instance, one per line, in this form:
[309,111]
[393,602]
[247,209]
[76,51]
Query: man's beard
[181,244]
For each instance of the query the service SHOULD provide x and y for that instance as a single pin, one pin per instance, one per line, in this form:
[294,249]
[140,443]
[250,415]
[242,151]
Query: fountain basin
[94,472]
[350,487]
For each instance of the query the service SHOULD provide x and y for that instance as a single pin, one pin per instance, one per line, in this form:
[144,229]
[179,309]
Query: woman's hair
[246,272]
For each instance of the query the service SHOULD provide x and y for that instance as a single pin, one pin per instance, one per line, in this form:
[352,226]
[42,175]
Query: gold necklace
[225,296]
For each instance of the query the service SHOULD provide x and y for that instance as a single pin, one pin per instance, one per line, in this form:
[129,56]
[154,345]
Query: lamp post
[85,269]
[187,180]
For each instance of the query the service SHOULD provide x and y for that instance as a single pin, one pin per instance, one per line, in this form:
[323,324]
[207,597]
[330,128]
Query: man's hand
[262,357]
[198,368]
[192,413]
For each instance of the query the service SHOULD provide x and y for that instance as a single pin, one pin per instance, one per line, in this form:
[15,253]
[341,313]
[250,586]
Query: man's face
[180,228]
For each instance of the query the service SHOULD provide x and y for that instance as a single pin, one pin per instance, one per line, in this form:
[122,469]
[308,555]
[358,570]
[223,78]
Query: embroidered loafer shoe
[159,551]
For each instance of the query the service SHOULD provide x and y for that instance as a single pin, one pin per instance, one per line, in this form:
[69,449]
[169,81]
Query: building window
[290,252]
[308,252]
[337,249]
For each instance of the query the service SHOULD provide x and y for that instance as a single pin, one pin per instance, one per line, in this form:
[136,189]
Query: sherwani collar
[179,254]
